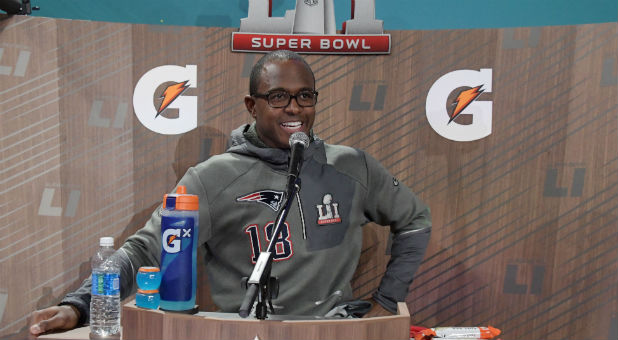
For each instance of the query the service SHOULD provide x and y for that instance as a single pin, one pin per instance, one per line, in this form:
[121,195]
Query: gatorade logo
[172,97]
[466,103]
[171,239]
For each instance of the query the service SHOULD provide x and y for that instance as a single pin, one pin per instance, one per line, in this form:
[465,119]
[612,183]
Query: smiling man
[281,98]
[241,191]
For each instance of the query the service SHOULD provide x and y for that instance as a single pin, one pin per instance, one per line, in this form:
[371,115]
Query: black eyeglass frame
[291,96]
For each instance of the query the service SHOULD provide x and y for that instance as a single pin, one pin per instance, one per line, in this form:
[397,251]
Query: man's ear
[250,105]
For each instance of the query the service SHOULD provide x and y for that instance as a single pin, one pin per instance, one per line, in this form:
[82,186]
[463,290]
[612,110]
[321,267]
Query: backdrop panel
[525,226]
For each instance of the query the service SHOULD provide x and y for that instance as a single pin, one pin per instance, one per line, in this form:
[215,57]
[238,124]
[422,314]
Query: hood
[241,143]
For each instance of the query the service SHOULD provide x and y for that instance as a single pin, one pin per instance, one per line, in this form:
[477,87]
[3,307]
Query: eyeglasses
[279,98]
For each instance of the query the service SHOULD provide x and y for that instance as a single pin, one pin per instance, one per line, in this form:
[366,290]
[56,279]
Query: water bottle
[179,233]
[105,294]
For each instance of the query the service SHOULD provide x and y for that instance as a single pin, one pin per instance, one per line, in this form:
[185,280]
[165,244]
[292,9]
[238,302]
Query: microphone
[299,141]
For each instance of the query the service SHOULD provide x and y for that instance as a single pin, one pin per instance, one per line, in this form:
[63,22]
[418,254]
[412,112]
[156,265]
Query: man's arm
[80,299]
[407,253]
[141,249]
[390,202]
[56,317]
[74,310]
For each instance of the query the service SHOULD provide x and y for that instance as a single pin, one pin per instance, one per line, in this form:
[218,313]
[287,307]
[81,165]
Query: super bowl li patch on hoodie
[328,211]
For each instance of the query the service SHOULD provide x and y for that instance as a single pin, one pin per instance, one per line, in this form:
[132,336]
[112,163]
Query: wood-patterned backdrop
[525,226]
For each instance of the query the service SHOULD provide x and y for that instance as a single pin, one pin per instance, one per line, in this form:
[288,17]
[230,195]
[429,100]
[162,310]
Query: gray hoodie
[240,193]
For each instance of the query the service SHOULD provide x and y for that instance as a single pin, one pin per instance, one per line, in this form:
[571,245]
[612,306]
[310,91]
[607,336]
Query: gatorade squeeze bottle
[179,233]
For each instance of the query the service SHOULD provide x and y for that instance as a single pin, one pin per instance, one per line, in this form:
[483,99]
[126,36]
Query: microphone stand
[260,284]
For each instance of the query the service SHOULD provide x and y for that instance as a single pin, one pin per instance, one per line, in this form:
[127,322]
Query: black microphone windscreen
[299,137]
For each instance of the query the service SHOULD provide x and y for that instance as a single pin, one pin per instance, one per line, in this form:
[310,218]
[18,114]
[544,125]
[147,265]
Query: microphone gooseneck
[261,285]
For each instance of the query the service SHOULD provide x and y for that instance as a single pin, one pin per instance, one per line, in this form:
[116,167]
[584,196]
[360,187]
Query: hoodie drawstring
[302,216]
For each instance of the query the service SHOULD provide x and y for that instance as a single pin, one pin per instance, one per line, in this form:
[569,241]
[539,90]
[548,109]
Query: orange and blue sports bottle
[179,234]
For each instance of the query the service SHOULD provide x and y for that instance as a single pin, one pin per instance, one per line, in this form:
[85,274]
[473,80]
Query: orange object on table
[458,332]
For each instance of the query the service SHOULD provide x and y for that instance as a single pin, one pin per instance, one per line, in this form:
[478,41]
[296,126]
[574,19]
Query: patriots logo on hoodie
[269,197]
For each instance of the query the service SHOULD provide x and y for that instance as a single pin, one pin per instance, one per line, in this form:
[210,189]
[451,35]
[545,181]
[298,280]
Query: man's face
[275,125]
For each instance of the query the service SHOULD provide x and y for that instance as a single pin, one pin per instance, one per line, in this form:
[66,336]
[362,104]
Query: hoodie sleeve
[142,249]
[390,202]
[81,297]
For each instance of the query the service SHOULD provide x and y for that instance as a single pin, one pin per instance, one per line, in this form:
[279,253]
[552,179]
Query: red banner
[327,44]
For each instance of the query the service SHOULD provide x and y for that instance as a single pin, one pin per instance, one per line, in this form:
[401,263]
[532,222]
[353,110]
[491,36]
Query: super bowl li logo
[311,28]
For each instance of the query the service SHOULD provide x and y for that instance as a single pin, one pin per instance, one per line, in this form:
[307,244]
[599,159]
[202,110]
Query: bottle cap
[148,269]
[180,200]
[106,241]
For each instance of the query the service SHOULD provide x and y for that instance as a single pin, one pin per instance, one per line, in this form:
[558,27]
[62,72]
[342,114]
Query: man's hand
[376,310]
[53,318]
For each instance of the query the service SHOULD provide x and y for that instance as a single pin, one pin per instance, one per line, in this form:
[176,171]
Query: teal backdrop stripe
[397,14]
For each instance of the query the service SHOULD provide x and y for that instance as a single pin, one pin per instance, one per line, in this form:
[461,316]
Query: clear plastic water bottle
[105,296]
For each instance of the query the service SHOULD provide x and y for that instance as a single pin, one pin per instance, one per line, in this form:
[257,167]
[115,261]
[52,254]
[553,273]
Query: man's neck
[253,138]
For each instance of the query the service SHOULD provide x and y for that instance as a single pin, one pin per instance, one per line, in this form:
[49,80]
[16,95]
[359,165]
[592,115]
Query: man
[317,253]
